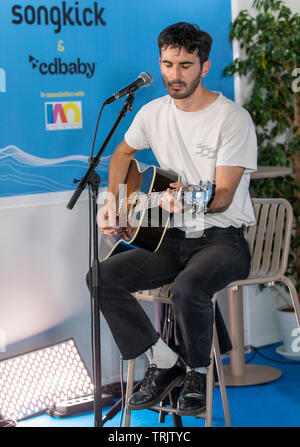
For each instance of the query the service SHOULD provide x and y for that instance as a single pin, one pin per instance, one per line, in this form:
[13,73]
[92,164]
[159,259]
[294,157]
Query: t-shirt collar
[213,104]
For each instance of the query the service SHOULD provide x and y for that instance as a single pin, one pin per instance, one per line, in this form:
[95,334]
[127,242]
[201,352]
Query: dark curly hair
[188,36]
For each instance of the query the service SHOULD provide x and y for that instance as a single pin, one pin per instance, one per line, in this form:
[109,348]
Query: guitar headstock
[198,196]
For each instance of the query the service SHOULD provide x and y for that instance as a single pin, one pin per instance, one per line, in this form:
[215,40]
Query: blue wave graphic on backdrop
[22,173]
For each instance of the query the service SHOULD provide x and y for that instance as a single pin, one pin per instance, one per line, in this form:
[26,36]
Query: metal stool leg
[209,391]
[129,389]
[162,414]
[215,356]
[173,396]
[221,379]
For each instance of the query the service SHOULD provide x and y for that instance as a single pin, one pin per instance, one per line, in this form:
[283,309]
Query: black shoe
[193,398]
[157,383]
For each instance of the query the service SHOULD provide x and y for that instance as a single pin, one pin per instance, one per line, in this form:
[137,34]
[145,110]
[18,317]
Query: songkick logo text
[63,115]
[59,15]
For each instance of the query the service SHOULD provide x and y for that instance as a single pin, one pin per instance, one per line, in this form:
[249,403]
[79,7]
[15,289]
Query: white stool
[161,295]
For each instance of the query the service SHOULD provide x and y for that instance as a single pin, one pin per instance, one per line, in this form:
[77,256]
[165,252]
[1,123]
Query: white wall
[43,264]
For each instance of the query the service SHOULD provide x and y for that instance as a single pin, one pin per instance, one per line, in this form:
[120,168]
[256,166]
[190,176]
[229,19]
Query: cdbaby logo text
[63,115]
[58,67]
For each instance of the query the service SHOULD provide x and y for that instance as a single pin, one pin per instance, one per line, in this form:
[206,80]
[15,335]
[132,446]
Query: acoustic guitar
[141,221]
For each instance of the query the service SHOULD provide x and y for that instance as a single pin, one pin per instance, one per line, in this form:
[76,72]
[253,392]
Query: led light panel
[32,382]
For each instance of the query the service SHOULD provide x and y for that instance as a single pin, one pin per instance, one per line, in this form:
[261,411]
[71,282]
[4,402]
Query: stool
[269,244]
[162,295]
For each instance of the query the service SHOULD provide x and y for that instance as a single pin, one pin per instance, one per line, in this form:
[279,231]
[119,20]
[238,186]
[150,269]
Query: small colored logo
[2,80]
[63,115]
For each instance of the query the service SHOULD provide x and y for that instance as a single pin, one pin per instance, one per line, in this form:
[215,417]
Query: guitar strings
[145,197]
[140,200]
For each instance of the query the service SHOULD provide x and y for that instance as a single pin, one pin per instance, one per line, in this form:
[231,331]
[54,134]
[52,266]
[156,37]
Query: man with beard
[203,136]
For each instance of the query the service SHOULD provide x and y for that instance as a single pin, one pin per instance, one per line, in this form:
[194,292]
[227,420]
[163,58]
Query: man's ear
[205,68]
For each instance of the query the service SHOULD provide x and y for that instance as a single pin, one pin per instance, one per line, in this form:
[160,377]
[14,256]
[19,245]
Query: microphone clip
[129,101]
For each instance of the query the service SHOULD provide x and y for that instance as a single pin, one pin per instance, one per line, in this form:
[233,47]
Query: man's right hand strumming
[120,161]
[107,217]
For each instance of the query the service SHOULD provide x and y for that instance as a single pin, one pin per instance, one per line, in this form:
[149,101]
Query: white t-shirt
[192,144]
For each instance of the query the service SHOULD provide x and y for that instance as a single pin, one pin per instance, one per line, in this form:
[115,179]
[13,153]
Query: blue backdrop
[59,60]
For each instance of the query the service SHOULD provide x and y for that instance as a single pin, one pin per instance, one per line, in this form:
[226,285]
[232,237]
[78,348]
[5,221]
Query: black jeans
[197,267]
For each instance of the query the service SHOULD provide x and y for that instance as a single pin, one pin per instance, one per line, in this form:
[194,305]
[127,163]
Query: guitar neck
[194,195]
[142,201]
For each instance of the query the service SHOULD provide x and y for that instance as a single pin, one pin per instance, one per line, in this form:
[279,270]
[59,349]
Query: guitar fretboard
[141,201]
[194,195]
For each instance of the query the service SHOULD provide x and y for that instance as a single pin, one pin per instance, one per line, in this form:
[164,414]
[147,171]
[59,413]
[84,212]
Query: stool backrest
[269,239]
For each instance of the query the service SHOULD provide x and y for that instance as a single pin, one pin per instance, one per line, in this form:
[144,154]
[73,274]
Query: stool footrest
[173,410]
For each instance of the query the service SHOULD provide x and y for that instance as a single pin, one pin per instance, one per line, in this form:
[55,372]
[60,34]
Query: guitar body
[146,228]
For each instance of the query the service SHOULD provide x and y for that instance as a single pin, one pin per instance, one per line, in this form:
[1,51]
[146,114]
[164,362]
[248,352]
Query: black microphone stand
[92,179]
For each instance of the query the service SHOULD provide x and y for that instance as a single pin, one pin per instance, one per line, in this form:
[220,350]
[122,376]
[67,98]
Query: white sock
[201,369]
[162,355]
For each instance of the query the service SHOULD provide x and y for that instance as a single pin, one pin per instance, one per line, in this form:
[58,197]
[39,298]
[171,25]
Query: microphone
[144,80]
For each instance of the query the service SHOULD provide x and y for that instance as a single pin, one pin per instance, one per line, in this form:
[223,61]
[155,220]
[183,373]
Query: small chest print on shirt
[205,151]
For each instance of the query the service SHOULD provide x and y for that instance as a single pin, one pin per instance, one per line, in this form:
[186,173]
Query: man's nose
[176,72]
